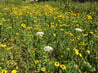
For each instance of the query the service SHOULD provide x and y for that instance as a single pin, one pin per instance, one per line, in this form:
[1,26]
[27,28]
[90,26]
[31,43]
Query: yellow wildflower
[4,19]
[76,66]
[83,43]
[8,48]
[72,39]
[52,26]
[88,51]
[0,24]
[80,54]
[76,51]
[96,36]
[12,39]
[92,32]
[23,25]
[82,48]
[3,45]
[43,69]
[79,38]
[10,27]
[4,71]
[17,33]
[89,17]
[63,67]
[33,51]
[50,62]
[67,32]
[71,34]
[56,64]
[85,34]
[14,71]
[36,61]
[54,35]
[62,29]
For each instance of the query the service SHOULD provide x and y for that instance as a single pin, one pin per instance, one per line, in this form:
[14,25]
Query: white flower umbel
[40,33]
[36,0]
[78,29]
[48,48]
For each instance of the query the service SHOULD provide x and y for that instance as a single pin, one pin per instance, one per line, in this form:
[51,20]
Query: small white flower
[48,48]
[78,29]
[40,33]
[36,0]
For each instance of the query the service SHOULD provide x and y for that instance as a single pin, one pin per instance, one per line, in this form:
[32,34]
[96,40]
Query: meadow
[48,37]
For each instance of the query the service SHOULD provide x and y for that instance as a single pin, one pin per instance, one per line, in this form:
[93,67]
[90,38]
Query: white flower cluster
[78,29]
[40,33]
[48,48]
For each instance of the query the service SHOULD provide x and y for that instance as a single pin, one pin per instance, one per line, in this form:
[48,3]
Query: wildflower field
[40,38]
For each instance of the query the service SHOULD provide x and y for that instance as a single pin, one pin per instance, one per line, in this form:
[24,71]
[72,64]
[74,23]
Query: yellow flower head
[0,24]
[33,51]
[10,27]
[88,51]
[62,29]
[92,32]
[12,39]
[3,45]
[50,62]
[80,54]
[76,51]
[89,17]
[43,69]
[36,62]
[14,71]
[17,33]
[54,35]
[4,71]
[23,25]
[8,48]
[56,64]
[63,67]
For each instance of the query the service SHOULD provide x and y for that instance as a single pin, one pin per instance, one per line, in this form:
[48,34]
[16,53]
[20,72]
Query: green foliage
[21,49]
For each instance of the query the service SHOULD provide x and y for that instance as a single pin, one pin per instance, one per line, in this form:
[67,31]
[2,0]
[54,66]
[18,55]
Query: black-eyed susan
[14,71]
[80,54]
[76,51]
[3,45]
[4,71]
[36,61]
[63,67]
[43,69]
[56,64]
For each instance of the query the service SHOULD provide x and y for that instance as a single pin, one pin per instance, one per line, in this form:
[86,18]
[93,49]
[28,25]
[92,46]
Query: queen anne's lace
[40,33]
[78,29]
[48,48]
